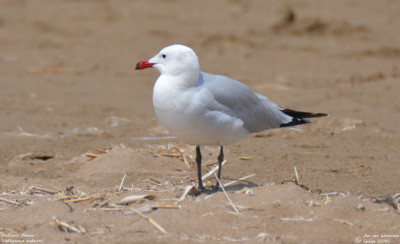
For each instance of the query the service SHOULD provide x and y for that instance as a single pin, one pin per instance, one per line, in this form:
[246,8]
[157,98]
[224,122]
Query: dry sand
[73,113]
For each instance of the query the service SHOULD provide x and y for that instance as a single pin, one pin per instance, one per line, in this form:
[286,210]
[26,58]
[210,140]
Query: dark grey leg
[220,160]
[198,162]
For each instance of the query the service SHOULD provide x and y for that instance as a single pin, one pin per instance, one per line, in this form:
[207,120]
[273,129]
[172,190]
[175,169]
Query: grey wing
[236,99]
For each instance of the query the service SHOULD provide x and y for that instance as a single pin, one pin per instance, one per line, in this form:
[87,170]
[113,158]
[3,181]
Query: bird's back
[236,99]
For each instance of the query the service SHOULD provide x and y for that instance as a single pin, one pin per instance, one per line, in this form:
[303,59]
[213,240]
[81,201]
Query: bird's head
[173,60]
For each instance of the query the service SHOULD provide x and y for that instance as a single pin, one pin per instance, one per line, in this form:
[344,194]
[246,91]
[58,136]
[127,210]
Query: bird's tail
[298,117]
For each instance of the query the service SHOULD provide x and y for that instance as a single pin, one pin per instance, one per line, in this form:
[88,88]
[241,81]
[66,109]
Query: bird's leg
[198,162]
[220,160]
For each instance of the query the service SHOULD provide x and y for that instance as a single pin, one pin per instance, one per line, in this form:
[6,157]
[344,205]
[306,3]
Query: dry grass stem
[166,206]
[105,209]
[183,157]
[122,183]
[297,175]
[155,180]
[211,162]
[226,194]
[186,162]
[66,227]
[78,199]
[10,201]
[344,222]
[240,179]
[183,169]
[243,207]
[184,194]
[329,194]
[105,150]
[152,138]
[159,185]
[35,188]
[245,158]
[150,220]
[212,171]
[298,218]
[91,155]
[133,198]
[105,202]
[170,155]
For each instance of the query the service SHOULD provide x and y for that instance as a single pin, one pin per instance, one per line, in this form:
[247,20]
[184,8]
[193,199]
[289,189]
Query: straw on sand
[212,171]
[240,179]
[66,227]
[229,199]
[150,220]
[122,182]
[14,202]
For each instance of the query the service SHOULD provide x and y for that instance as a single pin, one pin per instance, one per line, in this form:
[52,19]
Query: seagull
[210,110]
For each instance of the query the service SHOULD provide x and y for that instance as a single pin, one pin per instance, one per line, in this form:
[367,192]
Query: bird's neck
[181,81]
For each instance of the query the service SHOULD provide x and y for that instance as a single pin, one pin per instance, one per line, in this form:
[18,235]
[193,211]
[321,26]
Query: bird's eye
[164,56]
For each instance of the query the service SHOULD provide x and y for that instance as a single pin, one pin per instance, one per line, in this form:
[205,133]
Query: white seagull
[207,109]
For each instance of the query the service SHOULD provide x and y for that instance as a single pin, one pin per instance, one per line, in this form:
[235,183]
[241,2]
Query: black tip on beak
[143,65]
[137,67]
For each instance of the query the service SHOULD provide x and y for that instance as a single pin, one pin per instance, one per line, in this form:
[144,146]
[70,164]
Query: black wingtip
[299,117]
[300,114]
[296,121]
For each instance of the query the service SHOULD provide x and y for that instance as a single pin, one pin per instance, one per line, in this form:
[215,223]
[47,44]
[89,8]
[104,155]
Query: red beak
[143,64]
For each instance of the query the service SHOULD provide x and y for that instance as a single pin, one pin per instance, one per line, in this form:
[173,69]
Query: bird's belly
[200,128]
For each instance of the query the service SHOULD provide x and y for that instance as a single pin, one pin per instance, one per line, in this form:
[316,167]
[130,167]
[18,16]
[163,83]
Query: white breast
[186,113]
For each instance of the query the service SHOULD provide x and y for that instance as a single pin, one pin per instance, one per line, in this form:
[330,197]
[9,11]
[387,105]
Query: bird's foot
[202,189]
[215,188]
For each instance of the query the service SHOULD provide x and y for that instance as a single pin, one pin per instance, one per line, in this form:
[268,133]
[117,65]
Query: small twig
[14,202]
[91,155]
[166,206]
[103,150]
[297,175]
[212,171]
[223,189]
[184,169]
[329,194]
[33,188]
[78,199]
[242,178]
[150,220]
[30,188]
[64,226]
[245,158]
[186,162]
[45,190]
[122,182]
[159,185]
[152,138]
[154,180]
[183,157]
[105,202]
[97,198]
[210,162]
[106,209]
[344,221]
[170,155]
[187,190]
[297,218]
